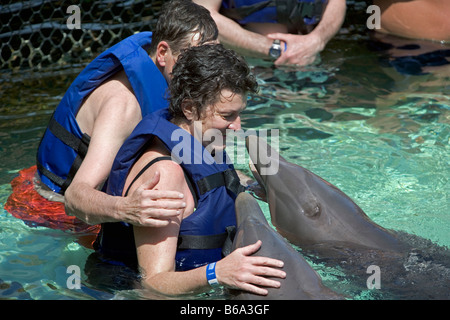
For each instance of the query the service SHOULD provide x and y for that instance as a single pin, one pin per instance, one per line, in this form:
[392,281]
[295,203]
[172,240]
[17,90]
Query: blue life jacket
[290,12]
[209,228]
[63,145]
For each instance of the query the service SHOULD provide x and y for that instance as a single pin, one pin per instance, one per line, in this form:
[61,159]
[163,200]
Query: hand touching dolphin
[301,281]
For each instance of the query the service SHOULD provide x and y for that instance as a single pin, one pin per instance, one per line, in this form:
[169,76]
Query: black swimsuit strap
[148,165]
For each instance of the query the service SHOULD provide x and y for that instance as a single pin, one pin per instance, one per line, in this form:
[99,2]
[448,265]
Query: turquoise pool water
[379,135]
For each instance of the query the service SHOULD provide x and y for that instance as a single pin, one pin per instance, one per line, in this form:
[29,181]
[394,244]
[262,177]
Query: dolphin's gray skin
[331,229]
[301,281]
[306,209]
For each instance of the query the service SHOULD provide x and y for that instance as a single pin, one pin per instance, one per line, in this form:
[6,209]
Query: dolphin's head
[286,188]
[302,281]
[307,209]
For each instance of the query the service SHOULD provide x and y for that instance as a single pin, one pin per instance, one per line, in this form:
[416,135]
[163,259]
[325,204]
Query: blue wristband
[211,274]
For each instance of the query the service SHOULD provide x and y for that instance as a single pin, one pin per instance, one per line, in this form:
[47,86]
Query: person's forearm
[90,205]
[239,270]
[331,21]
[232,35]
[178,283]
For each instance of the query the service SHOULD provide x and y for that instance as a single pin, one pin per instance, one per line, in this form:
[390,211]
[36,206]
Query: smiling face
[222,116]
[208,92]
[218,118]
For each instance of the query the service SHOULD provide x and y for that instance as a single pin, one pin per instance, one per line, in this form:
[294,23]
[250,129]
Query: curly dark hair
[202,72]
[178,21]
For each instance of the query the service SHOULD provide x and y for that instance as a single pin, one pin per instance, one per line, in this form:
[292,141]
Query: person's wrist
[318,41]
[275,49]
[120,206]
[211,276]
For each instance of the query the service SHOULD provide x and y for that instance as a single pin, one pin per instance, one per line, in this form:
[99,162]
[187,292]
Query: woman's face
[218,118]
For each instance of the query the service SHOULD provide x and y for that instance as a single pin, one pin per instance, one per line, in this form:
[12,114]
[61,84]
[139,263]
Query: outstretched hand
[152,208]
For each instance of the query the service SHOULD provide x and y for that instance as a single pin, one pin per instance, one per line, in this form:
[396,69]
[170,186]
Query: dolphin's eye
[313,210]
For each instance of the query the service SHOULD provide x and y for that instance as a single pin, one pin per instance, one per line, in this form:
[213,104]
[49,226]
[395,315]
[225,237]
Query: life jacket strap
[77,144]
[204,242]
[227,178]
[80,146]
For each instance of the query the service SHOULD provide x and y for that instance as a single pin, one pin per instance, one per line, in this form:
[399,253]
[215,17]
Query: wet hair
[179,21]
[200,75]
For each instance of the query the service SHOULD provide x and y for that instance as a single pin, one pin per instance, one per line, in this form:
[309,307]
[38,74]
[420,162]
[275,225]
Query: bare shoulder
[118,90]
[171,173]
[112,100]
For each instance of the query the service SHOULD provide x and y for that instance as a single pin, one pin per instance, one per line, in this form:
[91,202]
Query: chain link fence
[41,35]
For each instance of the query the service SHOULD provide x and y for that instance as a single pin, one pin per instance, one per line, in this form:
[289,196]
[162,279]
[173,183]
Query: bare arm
[115,121]
[233,35]
[303,49]
[156,249]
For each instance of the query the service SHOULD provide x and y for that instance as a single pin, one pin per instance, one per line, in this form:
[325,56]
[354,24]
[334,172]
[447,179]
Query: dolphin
[306,209]
[302,281]
[330,228]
